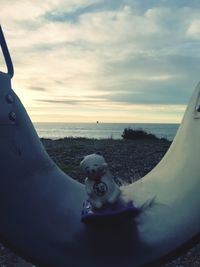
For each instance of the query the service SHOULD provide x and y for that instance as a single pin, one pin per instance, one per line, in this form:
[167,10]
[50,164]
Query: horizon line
[99,122]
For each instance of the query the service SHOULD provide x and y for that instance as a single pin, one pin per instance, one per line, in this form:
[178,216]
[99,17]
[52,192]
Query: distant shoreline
[101,130]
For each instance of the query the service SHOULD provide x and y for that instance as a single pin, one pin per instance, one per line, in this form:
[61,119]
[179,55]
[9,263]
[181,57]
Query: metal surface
[197,109]
[41,206]
[6,54]
[7,101]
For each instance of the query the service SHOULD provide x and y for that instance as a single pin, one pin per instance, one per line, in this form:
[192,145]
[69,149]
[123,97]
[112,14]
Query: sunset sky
[111,60]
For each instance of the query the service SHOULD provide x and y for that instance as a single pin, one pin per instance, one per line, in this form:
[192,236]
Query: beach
[128,161]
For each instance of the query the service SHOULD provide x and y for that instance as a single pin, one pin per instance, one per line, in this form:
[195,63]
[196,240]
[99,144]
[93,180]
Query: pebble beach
[128,161]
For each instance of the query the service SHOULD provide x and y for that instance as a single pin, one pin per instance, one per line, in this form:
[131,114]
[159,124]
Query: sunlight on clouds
[104,116]
[104,111]
[194,29]
[33,9]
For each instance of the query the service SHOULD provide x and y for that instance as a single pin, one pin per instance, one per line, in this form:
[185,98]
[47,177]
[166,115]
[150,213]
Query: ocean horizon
[54,130]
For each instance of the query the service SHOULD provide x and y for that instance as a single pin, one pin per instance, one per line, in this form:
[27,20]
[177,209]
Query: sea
[102,130]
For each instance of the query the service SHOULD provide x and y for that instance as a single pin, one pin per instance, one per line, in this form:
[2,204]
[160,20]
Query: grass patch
[67,167]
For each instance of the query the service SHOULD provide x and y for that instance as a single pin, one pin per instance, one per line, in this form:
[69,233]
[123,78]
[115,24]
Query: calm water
[102,130]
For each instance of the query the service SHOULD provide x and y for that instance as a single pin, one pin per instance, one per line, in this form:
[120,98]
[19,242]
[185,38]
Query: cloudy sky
[111,60]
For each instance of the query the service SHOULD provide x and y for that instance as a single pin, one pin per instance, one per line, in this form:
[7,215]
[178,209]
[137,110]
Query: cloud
[37,88]
[164,95]
[194,29]
[67,102]
[113,52]
[74,15]
[85,100]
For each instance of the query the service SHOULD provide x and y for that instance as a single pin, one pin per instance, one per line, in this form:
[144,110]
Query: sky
[108,61]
